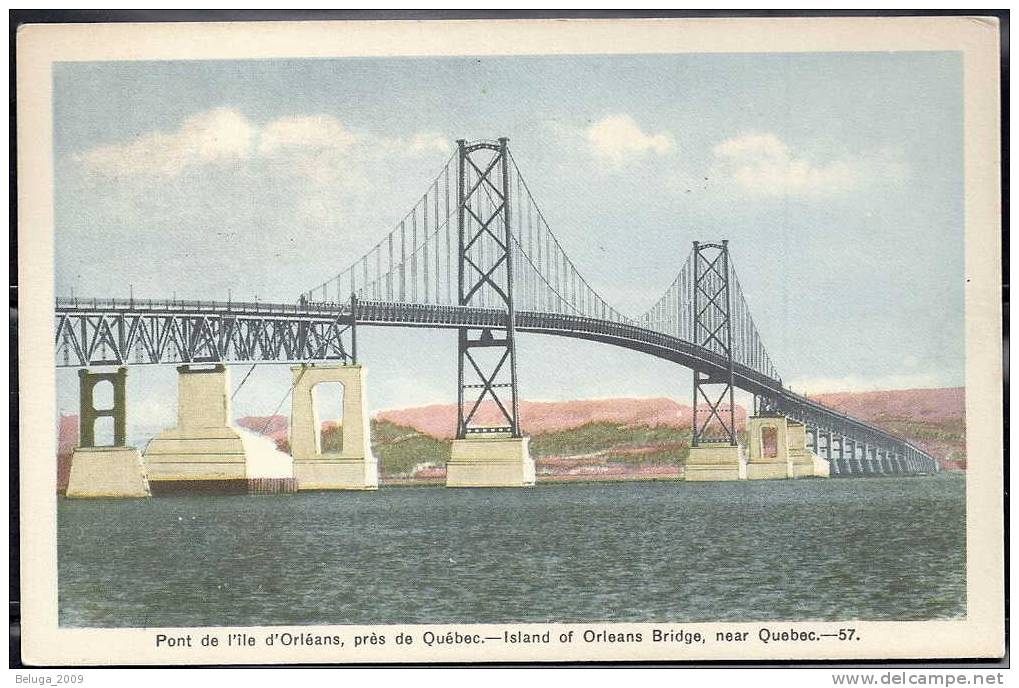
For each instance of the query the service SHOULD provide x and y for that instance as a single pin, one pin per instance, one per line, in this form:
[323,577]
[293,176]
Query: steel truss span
[116,333]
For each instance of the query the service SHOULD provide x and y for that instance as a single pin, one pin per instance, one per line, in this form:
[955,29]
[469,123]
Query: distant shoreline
[439,482]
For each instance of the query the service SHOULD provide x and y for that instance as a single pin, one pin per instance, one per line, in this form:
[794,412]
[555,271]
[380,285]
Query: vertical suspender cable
[426,278]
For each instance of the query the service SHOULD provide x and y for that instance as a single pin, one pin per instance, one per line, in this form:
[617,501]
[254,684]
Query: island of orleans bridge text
[440,637]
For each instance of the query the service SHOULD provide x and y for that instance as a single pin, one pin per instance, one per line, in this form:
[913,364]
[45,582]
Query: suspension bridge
[475,254]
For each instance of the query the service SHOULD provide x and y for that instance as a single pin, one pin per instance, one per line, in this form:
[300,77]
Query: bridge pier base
[490,461]
[869,462]
[107,472]
[802,460]
[778,450]
[768,457]
[354,467]
[844,463]
[897,460]
[715,461]
[861,469]
[110,471]
[834,469]
[204,452]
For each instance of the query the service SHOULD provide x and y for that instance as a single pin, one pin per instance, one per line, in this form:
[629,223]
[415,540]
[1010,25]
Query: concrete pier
[776,450]
[868,461]
[715,461]
[822,468]
[860,468]
[107,472]
[490,461]
[828,455]
[801,459]
[203,452]
[768,439]
[843,460]
[104,471]
[899,463]
[354,467]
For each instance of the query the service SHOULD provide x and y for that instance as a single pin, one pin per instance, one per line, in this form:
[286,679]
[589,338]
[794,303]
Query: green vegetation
[399,448]
[630,444]
[932,432]
[945,438]
[332,439]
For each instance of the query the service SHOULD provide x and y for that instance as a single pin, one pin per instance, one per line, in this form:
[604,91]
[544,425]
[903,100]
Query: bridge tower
[714,452]
[486,453]
[712,328]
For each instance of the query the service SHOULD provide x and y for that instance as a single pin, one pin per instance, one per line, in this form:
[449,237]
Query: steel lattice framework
[109,332]
[712,329]
[487,366]
[476,254]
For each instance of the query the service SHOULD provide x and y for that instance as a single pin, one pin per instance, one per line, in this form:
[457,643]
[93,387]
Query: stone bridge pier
[778,450]
[768,440]
[893,462]
[715,461]
[822,447]
[804,462]
[498,460]
[870,466]
[354,467]
[203,452]
[113,470]
[853,458]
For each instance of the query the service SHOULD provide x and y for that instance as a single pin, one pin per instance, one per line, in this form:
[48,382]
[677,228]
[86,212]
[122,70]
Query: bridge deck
[98,332]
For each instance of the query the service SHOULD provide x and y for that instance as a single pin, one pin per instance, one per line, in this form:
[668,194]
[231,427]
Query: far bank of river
[594,478]
[541,480]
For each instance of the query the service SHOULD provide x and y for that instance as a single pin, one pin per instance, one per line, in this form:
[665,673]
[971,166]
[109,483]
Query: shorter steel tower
[712,329]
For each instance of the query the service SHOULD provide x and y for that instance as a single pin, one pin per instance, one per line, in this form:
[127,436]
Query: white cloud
[854,383]
[315,147]
[222,175]
[213,136]
[618,138]
[761,164]
[317,131]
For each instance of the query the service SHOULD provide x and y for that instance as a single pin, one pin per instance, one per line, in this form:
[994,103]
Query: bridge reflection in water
[476,255]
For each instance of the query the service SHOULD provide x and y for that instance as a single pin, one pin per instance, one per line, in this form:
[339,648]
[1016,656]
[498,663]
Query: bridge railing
[66,304]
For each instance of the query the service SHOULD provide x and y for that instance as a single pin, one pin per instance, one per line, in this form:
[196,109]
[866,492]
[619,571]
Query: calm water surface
[882,548]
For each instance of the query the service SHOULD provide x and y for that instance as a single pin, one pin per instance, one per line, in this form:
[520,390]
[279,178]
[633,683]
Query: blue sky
[837,179]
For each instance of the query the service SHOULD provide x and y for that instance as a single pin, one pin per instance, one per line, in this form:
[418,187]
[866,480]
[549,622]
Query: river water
[880,548]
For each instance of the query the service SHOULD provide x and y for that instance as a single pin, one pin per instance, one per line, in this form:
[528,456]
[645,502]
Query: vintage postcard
[516,341]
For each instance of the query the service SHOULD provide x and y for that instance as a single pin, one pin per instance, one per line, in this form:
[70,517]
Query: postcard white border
[981,634]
